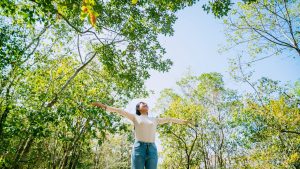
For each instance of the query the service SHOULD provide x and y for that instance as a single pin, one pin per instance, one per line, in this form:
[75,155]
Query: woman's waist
[144,142]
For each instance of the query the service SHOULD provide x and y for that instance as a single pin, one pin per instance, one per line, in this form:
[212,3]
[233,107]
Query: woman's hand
[186,122]
[181,121]
[98,104]
[113,109]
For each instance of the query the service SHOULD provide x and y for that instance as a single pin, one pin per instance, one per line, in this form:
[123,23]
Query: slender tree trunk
[20,155]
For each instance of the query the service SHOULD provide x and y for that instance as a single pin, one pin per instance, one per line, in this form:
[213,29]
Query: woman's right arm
[113,109]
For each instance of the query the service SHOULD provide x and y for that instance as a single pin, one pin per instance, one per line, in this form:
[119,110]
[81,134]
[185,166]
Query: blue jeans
[144,155]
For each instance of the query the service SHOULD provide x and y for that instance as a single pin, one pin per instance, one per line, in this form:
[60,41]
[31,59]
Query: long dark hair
[137,108]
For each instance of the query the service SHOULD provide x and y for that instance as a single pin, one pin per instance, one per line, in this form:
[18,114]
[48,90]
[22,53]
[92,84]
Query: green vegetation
[58,56]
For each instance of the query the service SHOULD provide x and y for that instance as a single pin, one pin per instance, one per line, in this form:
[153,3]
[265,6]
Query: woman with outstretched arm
[144,151]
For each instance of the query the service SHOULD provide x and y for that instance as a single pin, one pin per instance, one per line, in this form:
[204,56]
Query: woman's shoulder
[153,119]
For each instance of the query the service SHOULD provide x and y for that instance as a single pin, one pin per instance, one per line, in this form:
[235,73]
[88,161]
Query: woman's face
[144,108]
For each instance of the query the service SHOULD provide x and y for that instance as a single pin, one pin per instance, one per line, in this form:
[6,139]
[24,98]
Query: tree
[59,56]
[268,132]
[230,130]
[264,29]
[205,101]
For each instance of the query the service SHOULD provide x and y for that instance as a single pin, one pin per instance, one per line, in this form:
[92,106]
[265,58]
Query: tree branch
[54,100]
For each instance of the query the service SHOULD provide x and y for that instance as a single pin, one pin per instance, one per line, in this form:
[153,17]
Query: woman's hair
[137,108]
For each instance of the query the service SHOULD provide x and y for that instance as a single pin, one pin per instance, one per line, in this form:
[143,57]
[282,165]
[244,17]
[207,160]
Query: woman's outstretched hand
[185,122]
[188,122]
[98,104]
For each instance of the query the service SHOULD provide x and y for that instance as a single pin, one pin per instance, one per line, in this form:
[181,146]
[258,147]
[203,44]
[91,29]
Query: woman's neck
[144,114]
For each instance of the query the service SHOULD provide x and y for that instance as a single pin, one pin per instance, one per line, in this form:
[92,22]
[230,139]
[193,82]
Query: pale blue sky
[198,37]
[195,45]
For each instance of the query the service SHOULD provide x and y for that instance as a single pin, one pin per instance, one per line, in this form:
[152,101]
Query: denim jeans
[144,155]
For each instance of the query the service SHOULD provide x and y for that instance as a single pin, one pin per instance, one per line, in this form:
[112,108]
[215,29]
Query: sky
[197,38]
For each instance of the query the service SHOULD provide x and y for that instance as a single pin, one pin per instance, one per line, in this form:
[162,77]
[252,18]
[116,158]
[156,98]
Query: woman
[144,151]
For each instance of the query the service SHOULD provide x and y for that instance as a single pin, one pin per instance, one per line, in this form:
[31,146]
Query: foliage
[57,57]
[262,29]
[221,8]
[230,130]
[205,101]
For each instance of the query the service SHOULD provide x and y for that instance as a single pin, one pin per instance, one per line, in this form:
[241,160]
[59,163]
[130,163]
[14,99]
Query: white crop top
[145,126]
